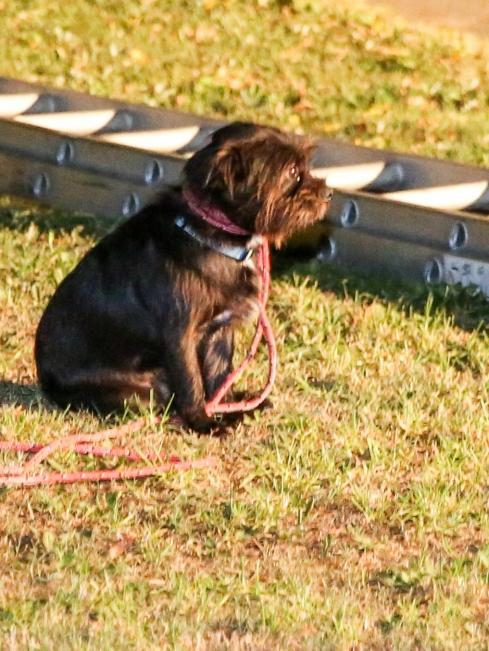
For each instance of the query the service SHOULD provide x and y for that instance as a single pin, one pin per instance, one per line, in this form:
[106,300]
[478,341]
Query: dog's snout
[324,192]
[328,193]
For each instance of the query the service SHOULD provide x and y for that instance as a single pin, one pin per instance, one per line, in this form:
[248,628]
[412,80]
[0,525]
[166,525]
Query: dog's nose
[328,193]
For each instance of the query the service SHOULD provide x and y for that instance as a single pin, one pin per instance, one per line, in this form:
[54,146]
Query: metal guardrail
[418,218]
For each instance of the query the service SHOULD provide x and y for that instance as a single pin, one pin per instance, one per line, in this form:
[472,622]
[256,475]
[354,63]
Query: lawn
[352,515]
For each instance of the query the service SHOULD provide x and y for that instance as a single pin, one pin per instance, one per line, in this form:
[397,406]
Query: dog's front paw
[200,422]
[240,396]
[220,425]
[229,422]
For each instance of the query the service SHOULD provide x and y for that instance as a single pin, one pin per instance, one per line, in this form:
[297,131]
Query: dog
[152,308]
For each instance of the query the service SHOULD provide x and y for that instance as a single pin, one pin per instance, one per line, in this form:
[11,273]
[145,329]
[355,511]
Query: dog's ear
[308,146]
[233,132]
[227,169]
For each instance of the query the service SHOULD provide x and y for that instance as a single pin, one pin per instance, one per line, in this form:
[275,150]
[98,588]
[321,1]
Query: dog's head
[260,178]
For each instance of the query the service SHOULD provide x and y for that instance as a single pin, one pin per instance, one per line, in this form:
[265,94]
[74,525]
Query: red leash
[215,405]
[23,475]
[219,219]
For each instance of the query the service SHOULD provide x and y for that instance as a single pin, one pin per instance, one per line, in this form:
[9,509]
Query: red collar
[211,214]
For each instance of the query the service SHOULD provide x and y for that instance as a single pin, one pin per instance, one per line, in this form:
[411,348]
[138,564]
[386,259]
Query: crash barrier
[399,215]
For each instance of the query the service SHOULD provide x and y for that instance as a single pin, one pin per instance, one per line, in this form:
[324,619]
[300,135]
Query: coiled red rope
[28,474]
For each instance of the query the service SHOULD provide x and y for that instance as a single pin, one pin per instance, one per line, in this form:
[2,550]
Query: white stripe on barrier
[158,140]
[350,177]
[77,123]
[11,105]
[443,197]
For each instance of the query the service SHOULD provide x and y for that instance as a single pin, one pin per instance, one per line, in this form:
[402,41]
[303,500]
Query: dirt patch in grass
[469,15]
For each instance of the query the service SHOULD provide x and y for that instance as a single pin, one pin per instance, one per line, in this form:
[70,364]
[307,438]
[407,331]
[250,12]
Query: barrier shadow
[19,214]
[467,306]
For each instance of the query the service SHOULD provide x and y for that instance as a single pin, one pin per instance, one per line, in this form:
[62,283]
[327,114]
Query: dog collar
[238,253]
[211,214]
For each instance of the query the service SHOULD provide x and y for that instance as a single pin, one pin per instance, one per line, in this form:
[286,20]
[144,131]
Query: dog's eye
[294,173]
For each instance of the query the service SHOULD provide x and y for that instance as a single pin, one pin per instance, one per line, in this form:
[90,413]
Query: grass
[354,515]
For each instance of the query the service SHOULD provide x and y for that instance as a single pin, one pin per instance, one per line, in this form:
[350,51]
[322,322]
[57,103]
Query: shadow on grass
[24,395]
[30,397]
[19,214]
[468,308]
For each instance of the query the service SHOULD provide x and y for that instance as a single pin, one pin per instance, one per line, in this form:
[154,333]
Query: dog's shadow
[24,395]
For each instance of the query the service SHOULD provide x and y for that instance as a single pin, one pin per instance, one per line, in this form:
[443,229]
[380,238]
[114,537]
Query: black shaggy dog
[154,305]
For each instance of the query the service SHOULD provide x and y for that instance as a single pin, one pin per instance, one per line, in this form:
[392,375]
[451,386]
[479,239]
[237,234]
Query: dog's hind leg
[103,390]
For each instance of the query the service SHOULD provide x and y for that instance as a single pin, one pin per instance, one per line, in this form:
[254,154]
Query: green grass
[354,515]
